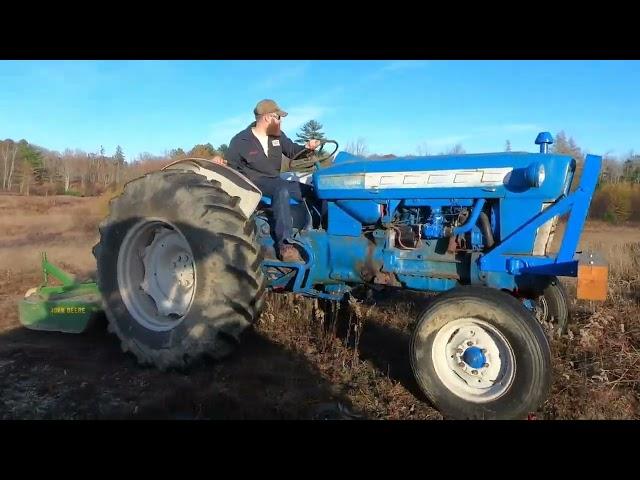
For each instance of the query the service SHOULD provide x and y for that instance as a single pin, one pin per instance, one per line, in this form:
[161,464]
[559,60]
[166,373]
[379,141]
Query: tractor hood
[490,175]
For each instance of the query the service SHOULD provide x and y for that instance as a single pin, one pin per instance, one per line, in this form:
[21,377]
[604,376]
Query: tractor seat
[267,201]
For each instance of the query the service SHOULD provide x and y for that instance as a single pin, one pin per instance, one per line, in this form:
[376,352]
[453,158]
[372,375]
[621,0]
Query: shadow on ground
[46,375]
[384,343]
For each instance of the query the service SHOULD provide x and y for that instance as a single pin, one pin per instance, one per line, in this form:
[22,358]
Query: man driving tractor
[257,152]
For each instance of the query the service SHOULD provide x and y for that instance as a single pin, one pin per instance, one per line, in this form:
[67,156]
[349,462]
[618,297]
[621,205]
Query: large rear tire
[477,353]
[179,269]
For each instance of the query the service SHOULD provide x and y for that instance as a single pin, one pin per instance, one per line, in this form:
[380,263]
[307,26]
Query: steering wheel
[312,159]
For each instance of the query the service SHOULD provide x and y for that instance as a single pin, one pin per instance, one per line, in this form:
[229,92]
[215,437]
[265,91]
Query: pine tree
[631,168]
[31,165]
[310,130]
[119,156]
[177,153]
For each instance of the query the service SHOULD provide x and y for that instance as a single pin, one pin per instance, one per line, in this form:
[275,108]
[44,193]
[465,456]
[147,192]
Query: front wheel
[477,353]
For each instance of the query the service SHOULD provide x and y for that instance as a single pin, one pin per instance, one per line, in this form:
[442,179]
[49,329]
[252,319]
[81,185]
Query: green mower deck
[67,308]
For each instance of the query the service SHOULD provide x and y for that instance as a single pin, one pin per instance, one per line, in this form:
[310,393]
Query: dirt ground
[288,366]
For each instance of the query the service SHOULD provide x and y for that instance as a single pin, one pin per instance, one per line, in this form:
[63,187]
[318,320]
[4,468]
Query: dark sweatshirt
[246,155]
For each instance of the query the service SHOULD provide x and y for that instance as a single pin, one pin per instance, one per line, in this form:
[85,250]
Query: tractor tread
[231,285]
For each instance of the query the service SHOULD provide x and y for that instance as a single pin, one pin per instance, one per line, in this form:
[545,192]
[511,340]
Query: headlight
[535,174]
[346,181]
[541,175]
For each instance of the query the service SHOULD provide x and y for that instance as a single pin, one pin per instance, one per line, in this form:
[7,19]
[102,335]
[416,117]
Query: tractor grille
[545,233]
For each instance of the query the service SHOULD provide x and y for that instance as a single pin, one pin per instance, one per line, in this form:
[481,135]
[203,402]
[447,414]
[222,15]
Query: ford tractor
[186,256]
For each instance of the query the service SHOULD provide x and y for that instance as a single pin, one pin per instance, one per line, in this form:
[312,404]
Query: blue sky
[396,106]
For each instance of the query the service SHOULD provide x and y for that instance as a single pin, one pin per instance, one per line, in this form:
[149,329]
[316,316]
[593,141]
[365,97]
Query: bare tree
[80,167]
[423,150]
[12,168]
[66,168]
[5,164]
[358,148]
[26,176]
[9,151]
[456,150]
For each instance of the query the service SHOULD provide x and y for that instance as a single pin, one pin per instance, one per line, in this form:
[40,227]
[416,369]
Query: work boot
[289,253]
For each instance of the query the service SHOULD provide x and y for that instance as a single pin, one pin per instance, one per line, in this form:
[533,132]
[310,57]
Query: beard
[273,129]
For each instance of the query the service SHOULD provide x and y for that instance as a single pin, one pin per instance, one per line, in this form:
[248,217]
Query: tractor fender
[232,182]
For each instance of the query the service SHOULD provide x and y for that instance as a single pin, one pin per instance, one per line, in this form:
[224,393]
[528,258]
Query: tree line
[30,169]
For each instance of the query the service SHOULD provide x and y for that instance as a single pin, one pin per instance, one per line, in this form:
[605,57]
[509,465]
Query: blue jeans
[281,192]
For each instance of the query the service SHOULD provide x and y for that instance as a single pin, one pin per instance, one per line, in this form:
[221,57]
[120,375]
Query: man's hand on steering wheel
[312,144]
[312,161]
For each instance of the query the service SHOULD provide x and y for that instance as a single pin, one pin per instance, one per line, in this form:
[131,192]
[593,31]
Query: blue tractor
[186,256]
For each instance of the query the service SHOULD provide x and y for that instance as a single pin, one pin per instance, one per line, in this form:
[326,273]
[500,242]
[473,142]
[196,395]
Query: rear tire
[552,306]
[205,297]
[508,380]
[548,300]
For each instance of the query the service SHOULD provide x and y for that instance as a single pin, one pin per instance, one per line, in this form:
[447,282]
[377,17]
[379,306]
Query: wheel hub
[539,308]
[473,359]
[156,274]
[168,273]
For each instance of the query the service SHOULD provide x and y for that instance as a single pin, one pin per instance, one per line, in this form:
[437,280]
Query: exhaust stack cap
[544,139]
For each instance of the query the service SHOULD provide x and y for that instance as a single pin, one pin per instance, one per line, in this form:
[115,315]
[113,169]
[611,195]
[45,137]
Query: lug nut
[460,351]
[485,365]
[474,372]
[469,343]
[461,364]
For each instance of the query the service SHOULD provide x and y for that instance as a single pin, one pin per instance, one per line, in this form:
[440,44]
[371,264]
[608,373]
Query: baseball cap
[267,106]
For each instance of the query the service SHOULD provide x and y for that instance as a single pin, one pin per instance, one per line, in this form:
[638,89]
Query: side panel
[513,213]
[505,175]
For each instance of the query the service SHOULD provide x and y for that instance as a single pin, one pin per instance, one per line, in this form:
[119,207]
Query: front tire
[477,353]
[179,269]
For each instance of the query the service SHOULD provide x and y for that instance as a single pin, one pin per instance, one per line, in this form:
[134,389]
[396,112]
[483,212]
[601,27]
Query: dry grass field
[299,362]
